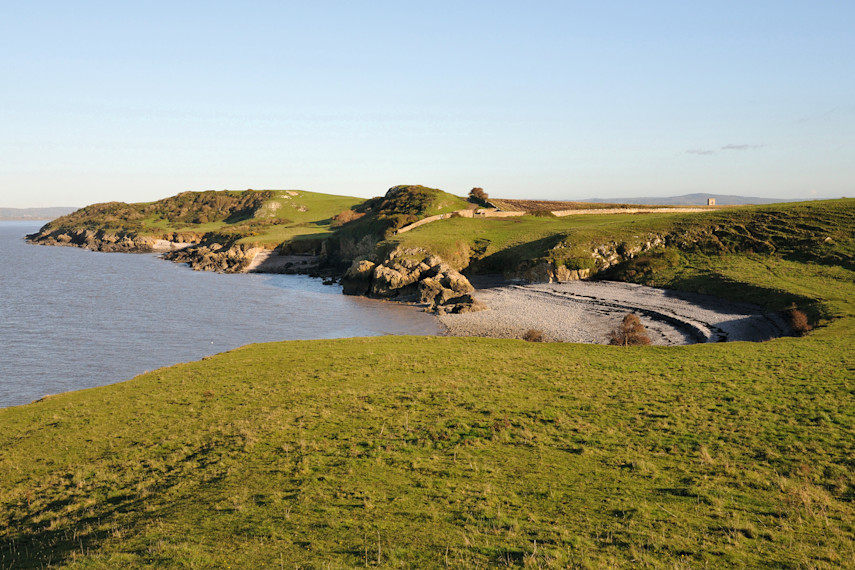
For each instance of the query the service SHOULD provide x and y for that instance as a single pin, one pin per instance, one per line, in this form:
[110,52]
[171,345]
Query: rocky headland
[369,249]
[412,275]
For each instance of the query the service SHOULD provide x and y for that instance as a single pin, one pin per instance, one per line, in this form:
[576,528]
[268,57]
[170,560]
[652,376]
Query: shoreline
[582,311]
[585,312]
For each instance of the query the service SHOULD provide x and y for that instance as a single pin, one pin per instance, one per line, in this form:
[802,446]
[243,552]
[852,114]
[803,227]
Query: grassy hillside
[265,217]
[427,452]
[450,452]
[378,218]
[822,231]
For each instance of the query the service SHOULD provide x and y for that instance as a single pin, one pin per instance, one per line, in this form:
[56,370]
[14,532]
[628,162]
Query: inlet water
[71,318]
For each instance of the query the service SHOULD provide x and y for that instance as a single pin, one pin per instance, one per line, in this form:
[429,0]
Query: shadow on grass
[79,522]
[512,257]
[38,546]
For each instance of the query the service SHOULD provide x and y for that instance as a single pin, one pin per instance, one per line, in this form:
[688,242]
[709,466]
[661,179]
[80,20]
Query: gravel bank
[585,311]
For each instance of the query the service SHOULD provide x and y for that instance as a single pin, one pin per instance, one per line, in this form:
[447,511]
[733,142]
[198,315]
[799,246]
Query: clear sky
[136,101]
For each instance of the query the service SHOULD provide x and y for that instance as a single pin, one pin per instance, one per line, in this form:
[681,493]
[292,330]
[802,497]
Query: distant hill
[691,200]
[34,213]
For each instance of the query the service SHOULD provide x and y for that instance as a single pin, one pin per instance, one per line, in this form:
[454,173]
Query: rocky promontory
[412,275]
[222,258]
[96,240]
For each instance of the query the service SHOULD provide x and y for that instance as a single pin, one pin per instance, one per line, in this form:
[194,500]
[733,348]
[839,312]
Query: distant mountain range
[691,200]
[34,213]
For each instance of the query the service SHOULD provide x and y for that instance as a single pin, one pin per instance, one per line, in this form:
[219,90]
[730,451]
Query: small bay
[72,318]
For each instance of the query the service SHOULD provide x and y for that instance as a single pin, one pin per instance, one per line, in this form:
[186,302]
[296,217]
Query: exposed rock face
[610,254]
[547,272]
[357,279]
[215,257]
[96,240]
[601,257]
[412,275]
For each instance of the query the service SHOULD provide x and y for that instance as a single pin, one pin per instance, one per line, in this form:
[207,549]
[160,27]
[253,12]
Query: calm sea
[71,318]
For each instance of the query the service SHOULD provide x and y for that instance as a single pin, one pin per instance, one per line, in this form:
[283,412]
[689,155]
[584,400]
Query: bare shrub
[534,335]
[799,322]
[630,332]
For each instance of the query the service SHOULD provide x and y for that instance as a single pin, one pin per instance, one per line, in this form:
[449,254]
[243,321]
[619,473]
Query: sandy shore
[585,311]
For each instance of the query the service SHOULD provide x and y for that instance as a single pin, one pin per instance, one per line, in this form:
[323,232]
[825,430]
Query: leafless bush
[799,322]
[533,335]
[630,332]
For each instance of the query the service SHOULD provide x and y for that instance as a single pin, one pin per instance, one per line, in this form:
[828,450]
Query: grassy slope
[816,231]
[502,242]
[379,217]
[286,216]
[310,215]
[478,452]
[426,452]
[306,214]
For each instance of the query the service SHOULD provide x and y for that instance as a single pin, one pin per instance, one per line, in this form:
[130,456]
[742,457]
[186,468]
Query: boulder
[460,305]
[390,282]
[429,290]
[412,275]
[563,274]
[357,279]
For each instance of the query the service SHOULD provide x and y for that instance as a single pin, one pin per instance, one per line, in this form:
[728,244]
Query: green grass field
[502,242]
[269,218]
[423,452]
[813,231]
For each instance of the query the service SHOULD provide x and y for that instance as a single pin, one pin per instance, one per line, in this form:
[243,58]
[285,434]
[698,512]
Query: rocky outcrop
[600,258]
[357,279]
[274,261]
[215,257]
[96,240]
[412,275]
[548,272]
[442,300]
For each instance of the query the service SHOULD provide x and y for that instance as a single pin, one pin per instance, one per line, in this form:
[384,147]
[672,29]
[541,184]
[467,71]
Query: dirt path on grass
[585,311]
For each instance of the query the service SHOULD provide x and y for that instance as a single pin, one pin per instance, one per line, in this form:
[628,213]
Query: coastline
[578,311]
[585,312]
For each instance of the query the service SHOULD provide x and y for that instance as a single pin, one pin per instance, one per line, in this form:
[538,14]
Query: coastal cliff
[412,275]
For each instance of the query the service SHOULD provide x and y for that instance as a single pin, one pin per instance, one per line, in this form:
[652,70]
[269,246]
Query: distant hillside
[34,213]
[691,200]
[265,217]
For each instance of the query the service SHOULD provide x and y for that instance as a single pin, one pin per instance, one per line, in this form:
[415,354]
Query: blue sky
[136,101]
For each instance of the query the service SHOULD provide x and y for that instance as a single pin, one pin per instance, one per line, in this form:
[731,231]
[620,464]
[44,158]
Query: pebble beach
[585,312]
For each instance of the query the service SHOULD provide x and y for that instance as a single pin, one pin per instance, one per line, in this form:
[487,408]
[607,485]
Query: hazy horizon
[6,212]
[550,100]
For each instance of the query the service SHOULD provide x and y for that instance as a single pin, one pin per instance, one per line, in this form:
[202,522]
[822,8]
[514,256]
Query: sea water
[72,318]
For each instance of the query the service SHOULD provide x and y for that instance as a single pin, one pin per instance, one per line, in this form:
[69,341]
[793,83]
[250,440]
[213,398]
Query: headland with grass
[478,452]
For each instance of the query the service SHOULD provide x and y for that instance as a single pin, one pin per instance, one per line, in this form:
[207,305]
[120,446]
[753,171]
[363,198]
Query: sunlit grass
[408,451]
[473,452]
